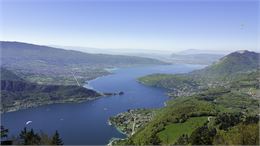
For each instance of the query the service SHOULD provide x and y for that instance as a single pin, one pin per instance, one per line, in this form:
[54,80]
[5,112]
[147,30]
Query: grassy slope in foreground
[168,136]
[212,105]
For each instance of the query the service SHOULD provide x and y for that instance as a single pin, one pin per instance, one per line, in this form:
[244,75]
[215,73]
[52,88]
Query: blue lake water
[86,123]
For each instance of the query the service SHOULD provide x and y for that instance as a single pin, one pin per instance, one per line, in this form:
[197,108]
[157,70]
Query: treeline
[232,119]
[226,96]
[228,129]
[29,137]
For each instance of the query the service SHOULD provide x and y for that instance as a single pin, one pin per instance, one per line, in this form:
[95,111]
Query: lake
[86,122]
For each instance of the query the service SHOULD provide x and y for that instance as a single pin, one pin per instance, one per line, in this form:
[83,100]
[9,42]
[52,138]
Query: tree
[30,138]
[4,135]
[227,120]
[3,132]
[242,134]
[23,133]
[45,139]
[56,140]
[155,140]
[183,140]
[203,136]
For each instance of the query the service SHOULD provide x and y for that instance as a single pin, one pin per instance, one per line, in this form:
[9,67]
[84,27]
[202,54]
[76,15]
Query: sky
[131,24]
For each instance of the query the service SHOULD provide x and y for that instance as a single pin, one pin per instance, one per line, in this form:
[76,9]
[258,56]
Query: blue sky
[165,25]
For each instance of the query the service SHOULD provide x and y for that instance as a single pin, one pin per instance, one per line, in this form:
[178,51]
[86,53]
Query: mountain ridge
[233,63]
[223,113]
[222,72]
[48,65]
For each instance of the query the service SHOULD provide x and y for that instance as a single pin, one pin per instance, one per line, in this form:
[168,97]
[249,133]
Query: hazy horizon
[169,26]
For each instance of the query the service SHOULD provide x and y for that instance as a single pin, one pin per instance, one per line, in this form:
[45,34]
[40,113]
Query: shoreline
[43,103]
[124,123]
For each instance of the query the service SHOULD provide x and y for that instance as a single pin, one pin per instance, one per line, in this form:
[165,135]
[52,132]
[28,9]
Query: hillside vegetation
[228,69]
[48,65]
[230,65]
[216,114]
[19,94]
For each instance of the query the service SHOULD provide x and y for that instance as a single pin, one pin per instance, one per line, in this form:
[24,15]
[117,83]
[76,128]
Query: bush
[203,136]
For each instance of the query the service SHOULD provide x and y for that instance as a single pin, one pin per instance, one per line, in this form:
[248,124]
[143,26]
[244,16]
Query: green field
[173,131]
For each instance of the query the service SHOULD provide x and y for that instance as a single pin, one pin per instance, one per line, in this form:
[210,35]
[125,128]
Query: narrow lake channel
[86,122]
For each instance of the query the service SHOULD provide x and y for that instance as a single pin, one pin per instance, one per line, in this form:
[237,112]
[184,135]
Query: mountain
[200,51]
[224,71]
[202,58]
[13,52]
[49,65]
[17,93]
[231,64]
[197,56]
[226,113]
[8,75]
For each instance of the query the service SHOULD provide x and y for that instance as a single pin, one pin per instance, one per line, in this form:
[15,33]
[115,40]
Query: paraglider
[242,26]
[28,122]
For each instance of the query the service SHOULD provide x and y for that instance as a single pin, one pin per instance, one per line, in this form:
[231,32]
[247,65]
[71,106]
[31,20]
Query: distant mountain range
[189,56]
[200,51]
[198,58]
[13,52]
[49,65]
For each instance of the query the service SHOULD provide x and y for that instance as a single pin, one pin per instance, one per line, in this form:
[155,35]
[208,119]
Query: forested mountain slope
[212,115]
[20,94]
[221,73]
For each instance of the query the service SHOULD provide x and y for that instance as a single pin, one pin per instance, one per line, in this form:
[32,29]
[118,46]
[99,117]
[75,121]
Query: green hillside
[218,109]
[226,67]
[226,113]
[221,73]
[19,94]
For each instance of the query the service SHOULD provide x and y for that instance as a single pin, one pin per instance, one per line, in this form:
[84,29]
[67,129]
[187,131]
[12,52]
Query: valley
[48,65]
[52,75]
[91,117]
[221,98]
[129,72]
[175,97]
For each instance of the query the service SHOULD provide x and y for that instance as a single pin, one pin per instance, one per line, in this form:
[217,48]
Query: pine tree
[3,132]
[56,140]
[23,134]
[4,135]
[30,138]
